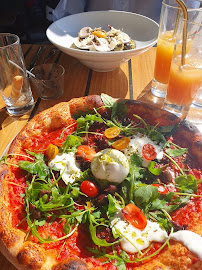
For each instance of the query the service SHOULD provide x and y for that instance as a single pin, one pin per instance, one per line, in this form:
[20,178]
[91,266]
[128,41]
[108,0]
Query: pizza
[96,183]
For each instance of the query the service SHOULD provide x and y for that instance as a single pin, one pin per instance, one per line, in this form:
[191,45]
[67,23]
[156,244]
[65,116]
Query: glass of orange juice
[171,15]
[185,78]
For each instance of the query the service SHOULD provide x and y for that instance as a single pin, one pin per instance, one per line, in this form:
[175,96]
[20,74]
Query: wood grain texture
[114,83]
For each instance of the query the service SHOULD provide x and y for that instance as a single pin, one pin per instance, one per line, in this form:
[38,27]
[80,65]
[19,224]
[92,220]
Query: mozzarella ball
[111,165]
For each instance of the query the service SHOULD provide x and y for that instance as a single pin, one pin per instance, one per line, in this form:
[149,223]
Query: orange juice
[164,53]
[184,81]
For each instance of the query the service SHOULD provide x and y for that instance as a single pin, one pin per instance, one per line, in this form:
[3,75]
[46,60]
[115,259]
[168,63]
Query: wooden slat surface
[114,83]
[132,80]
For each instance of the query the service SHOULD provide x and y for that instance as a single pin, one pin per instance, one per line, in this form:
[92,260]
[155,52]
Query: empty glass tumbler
[14,83]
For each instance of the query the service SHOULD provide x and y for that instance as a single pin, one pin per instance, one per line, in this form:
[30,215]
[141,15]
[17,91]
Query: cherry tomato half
[112,132]
[135,216]
[148,151]
[89,188]
[161,188]
[86,151]
[121,143]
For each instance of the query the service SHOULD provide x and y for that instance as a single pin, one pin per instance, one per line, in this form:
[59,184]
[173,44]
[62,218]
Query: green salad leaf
[38,167]
[145,194]
[186,183]
[71,144]
[176,152]
[113,206]
[152,169]
[108,101]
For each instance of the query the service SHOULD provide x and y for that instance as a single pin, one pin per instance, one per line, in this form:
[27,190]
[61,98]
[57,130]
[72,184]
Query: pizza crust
[191,135]
[27,255]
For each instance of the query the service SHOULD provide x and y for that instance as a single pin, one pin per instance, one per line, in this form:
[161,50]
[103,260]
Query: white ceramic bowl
[141,29]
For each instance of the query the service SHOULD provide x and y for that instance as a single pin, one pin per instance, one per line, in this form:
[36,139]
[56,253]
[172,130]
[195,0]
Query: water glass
[48,80]
[14,83]
[185,77]
[171,15]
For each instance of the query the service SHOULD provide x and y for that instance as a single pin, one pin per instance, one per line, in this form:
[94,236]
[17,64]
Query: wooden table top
[132,81]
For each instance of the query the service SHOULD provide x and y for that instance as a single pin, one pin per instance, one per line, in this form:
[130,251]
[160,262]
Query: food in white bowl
[100,40]
[143,30]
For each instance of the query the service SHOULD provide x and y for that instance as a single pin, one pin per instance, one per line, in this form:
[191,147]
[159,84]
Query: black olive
[101,199]
[85,165]
[166,177]
[98,126]
[111,189]
[35,213]
[101,143]
[47,194]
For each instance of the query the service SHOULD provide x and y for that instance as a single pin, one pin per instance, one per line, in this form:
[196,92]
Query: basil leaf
[55,194]
[152,169]
[136,160]
[136,173]
[177,203]
[157,204]
[176,152]
[85,175]
[107,100]
[96,214]
[162,220]
[157,137]
[38,167]
[125,190]
[84,123]
[145,194]
[168,130]
[186,183]
[34,193]
[71,144]
[169,196]
[38,156]
[136,169]
[119,108]
[40,222]
[112,206]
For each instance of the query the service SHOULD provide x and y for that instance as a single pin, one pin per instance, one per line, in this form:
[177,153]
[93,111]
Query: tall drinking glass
[185,77]
[14,84]
[198,99]
[171,14]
